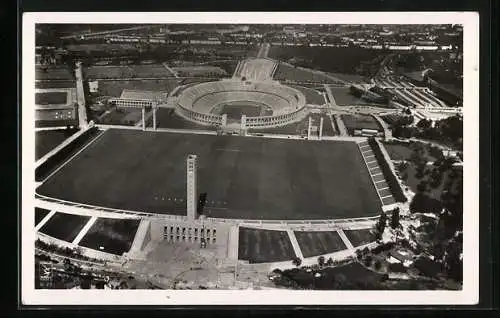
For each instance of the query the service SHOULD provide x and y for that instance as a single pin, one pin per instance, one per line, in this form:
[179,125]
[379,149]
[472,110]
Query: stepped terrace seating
[203,97]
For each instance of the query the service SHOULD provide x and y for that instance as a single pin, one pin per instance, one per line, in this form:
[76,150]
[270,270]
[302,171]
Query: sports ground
[243,177]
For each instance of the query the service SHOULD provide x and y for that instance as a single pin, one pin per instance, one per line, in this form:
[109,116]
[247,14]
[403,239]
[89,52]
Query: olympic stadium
[252,197]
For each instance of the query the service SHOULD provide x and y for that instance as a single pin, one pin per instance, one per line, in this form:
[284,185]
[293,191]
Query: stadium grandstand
[284,103]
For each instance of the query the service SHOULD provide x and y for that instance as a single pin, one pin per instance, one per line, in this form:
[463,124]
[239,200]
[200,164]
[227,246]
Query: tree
[380,226]
[296,261]
[424,124]
[321,261]
[395,218]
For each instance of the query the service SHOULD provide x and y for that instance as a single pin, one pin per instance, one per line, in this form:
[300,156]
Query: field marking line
[364,146]
[369,156]
[382,188]
[377,174]
[44,220]
[366,151]
[72,157]
[374,168]
[84,230]
[387,196]
[295,244]
[380,181]
[368,162]
[346,241]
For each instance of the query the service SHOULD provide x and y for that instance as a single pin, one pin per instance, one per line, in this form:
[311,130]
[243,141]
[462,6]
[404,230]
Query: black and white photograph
[250,158]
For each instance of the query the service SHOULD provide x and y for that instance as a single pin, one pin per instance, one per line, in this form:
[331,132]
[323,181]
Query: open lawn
[319,243]
[53,73]
[127,71]
[115,88]
[55,84]
[286,72]
[353,122]
[46,140]
[242,177]
[51,98]
[296,128]
[403,151]
[167,118]
[121,116]
[64,226]
[359,237]
[343,97]
[352,276]
[312,96]
[40,214]
[342,60]
[113,236]
[264,246]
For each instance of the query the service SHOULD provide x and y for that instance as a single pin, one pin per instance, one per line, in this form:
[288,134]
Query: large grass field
[121,116]
[128,71]
[353,122]
[319,243]
[113,236]
[51,98]
[242,177]
[46,140]
[40,214]
[286,72]
[263,246]
[360,237]
[115,88]
[312,96]
[53,73]
[64,226]
[343,97]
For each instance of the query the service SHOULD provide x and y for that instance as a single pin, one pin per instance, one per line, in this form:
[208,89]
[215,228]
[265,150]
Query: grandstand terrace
[243,177]
[201,102]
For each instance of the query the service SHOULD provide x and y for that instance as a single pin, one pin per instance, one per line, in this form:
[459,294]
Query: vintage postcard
[250,158]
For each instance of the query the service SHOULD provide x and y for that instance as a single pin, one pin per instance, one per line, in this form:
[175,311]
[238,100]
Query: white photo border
[469,295]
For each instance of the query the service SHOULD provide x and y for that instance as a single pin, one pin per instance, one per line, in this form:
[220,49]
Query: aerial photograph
[248,156]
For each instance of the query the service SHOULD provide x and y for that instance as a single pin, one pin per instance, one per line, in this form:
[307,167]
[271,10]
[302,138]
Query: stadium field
[55,84]
[40,214]
[46,140]
[64,226]
[113,236]
[242,177]
[51,98]
[319,243]
[235,110]
[359,237]
[264,246]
